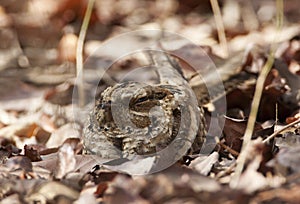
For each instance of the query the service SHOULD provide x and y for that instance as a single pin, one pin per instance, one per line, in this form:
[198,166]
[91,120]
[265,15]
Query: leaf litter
[41,153]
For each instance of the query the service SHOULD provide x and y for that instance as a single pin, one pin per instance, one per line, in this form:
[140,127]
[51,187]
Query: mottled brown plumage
[132,118]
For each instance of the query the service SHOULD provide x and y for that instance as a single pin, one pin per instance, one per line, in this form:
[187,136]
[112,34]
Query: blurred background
[45,32]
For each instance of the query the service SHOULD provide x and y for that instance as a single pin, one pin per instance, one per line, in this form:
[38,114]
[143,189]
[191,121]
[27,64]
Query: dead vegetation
[41,152]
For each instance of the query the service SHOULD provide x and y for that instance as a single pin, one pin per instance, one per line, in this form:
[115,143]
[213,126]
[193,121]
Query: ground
[42,157]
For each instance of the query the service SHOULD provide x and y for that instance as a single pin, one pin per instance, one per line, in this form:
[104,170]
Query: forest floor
[42,156]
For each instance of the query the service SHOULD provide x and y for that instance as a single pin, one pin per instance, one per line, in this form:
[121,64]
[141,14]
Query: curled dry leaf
[292,49]
[296,116]
[204,165]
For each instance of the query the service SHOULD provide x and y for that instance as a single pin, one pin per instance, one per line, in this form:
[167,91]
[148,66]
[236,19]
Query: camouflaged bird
[132,118]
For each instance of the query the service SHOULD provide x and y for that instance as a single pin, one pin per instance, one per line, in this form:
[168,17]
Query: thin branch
[279,131]
[220,26]
[79,52]
[230,150]
[252,118]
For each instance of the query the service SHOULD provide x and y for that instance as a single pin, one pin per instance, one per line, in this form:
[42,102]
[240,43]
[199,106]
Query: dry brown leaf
[234,130]
[32,153]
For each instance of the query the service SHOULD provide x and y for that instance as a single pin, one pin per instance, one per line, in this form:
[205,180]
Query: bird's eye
[142,99]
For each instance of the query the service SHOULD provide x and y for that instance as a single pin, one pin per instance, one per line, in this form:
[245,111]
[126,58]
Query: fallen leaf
[234,130]
[66,160]
[84,163]
[203,165]
[32,153]
[61,134]
[133,167]
[47,191]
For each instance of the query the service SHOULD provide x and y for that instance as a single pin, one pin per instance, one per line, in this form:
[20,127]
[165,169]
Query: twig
[279,131]
[79,50]
[226,171]
[220,26]
[255,103]
[230,150]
